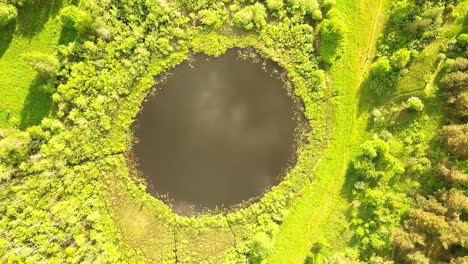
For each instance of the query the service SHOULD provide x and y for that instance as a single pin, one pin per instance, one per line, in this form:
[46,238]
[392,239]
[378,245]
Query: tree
[400,58]
[415,104]
[381,67]
[45,65]
[77,19]
[455,81]
[250,17]
[7,14]
[274,5]
[434,230]
[332,32]
[462,40]
[451,173]
[456,139]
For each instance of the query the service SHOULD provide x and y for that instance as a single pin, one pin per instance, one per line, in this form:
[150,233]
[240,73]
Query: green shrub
[77,19]
[7,14]
[455,81]
[262,247]
[212,18]
[332,34]
[462,40]
[381,67]
[274,5]
[307,6]
[328,4]
[400,58]
[45,65]
[317,15]
[414,103]
[250,17]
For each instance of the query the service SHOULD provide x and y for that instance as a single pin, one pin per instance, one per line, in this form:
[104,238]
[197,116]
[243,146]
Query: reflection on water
[216,134]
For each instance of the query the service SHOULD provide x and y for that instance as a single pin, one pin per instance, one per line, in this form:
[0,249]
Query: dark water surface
[216,134]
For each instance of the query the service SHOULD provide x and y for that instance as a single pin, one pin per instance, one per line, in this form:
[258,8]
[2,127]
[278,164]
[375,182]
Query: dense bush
[462,40]
[456,139]
[332,34]
[400,58]
[274,5]
[414,103]
[434,230]
[8,13]
[77,19]
[250,17]
[381,76]
[377,203]
[45,65]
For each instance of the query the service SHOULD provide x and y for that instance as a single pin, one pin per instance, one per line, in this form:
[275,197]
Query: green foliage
[377,204]
[77,19]
[332,33]
[315,255]
[328,4]
[381,77]
[415,104]
[8,13]
[462,40]
[212,18]
[305,6]
[45,65]
[381,67]
[263,245]
[250,17]
[274,5]
[456,139]
[400,58]
[434,230]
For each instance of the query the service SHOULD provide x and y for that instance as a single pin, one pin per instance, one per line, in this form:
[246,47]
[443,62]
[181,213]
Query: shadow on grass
[37,105]
[34,15]
[67,36]
[6,36]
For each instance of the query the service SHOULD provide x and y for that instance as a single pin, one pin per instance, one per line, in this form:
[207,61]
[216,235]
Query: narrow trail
[372,42]
[370,50]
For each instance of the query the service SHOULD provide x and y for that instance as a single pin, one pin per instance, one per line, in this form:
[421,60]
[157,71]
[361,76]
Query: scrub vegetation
[380,178]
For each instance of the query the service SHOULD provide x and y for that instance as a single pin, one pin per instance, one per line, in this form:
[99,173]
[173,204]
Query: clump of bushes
[45,65]
[76,19]
[8,13]
[415,104]
[377,204]
[381,77]
[332,33]
[250,17]
[274,5]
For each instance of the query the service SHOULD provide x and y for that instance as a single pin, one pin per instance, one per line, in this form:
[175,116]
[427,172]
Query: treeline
[436,229]
[409,200]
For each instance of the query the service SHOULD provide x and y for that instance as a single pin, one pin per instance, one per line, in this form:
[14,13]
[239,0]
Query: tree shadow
[6,36]
[347,193]
[37,104]
[34,15]
[67,35]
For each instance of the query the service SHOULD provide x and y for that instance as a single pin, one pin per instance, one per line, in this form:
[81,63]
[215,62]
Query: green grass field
[23,102]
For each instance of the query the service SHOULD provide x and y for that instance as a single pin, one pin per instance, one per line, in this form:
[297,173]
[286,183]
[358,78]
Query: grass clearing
[22,101]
